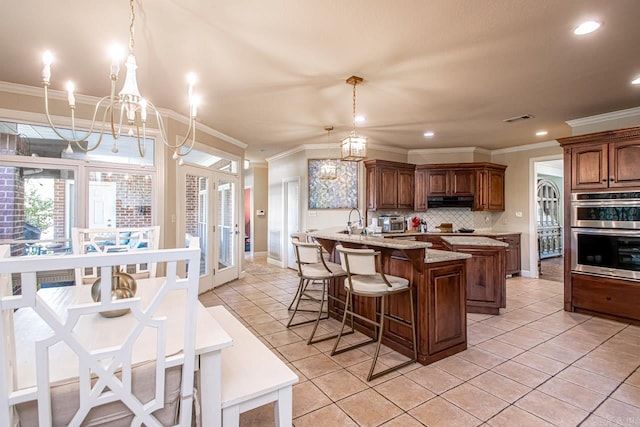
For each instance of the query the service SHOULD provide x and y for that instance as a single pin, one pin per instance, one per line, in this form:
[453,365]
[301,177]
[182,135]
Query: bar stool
[313,269]
[366,279]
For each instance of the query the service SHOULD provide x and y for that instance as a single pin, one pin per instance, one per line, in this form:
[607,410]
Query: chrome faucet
[350,224]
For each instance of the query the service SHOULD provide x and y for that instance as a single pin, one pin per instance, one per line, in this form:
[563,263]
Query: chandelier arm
[100,134]
[193,143]
[75,139]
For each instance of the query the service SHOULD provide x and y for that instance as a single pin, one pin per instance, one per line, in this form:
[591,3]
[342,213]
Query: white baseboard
[260,254]
[275,262]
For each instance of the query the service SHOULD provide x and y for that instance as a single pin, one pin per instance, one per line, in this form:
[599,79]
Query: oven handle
[605,231]
[606,203]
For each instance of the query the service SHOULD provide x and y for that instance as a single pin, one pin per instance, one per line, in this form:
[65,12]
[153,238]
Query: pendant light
[354,147]
[329,168]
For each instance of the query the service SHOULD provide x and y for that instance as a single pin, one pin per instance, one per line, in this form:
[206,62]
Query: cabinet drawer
[607,296]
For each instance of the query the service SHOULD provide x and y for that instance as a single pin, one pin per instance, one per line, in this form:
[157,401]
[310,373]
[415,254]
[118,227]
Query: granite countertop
[468,240]
[337,233]
[486,233]
[435,255]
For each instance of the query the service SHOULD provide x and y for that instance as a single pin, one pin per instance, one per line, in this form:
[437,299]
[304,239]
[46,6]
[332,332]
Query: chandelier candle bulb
[70,97]
[47,59]
[143,110]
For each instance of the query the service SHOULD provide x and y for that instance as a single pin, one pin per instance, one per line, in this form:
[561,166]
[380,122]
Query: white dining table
[96,331]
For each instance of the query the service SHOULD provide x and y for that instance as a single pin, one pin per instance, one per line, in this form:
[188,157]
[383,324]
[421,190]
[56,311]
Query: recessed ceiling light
[429,134]
[586,28]
[636,81]
[541,133]
[360,119]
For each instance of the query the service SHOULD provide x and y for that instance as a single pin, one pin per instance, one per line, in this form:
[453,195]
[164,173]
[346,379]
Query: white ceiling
[272,73]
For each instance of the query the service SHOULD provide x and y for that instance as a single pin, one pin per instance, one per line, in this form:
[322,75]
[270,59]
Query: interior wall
[518,187]
[260,202]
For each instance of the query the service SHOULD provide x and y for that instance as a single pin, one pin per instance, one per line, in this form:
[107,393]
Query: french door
[209,211]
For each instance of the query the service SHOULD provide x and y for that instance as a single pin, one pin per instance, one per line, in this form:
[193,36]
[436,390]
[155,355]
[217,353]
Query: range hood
[450,202]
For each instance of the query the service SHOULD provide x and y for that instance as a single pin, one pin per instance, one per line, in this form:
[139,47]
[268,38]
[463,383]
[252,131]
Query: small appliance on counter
[445,227]
[392,224]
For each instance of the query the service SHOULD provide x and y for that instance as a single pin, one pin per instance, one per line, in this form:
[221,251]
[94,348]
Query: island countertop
[473,241]
[338,234]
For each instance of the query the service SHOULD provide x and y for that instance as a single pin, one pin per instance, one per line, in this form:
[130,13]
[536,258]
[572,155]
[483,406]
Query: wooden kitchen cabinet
[390,185]
[486,277]
[445,318]
[483,181]
[512,253]
[489,194]
[450,182]
[608,296]
[604,160]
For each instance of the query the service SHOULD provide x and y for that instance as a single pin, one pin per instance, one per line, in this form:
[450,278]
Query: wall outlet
[487,219]
[519,214]
[313,213]
[505,220]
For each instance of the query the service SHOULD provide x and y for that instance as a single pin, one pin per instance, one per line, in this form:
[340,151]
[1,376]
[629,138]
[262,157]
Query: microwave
[392,224]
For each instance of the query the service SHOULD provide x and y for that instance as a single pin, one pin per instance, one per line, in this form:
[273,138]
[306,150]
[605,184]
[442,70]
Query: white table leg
[210,375]
[283,407]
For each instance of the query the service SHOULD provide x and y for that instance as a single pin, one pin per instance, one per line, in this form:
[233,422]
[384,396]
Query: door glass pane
[197,215]
[120,200]
[226,224]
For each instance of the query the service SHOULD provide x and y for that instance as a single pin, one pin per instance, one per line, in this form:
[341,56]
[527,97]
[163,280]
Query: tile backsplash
[459,217]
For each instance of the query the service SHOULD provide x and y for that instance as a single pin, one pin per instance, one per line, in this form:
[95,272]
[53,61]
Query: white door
[195,217]
[102,204]
[292,217]
[227,229]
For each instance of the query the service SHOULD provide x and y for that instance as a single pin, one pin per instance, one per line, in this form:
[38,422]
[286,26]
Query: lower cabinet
[602,295]
[513,258]
[445,320]
[486,278]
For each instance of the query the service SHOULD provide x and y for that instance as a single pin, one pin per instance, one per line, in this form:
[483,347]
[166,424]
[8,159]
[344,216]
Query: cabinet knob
[604,179]
[608,298]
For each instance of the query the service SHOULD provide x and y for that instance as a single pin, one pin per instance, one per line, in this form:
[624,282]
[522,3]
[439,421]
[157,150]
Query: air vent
[518,118]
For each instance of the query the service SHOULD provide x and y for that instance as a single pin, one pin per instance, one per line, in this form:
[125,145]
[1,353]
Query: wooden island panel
[439,302]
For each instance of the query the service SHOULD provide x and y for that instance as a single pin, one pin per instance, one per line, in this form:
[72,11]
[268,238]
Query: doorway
[546,220]
[209,211]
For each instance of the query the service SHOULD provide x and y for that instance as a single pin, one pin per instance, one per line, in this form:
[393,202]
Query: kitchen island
[439,282]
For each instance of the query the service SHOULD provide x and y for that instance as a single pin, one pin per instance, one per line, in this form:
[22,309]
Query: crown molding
[449,150]
[92,100]
[605,117]
[527,147]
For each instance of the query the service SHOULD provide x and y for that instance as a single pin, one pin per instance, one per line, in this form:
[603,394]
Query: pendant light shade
[329,168]
[354,147]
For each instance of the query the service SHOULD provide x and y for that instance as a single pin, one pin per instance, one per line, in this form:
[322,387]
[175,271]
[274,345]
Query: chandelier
[354,147]
[329,168]
[126,109]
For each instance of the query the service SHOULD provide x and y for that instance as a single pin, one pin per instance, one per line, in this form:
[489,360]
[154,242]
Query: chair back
[107,240]
[299,236]
[358,261]
[79,367]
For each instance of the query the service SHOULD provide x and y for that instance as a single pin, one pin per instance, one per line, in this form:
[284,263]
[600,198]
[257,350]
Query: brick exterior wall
[12,192]
[191,220]
[133,198]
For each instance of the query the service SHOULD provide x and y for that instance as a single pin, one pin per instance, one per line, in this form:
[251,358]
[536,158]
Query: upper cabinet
[489,194]
[604,159]
[390,185]
[483,181]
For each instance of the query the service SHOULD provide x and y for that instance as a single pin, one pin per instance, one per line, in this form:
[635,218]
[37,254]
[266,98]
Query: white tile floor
[533,365]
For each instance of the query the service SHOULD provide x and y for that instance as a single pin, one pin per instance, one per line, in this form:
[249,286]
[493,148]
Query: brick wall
[12,192]
[191,220]
[133,198]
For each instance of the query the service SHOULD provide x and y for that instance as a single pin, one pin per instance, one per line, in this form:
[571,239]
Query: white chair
[366,279]
[62,363]
[108,240]
[313,270]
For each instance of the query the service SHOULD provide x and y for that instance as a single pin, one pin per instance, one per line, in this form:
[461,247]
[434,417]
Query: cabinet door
[604,295]
[437,182]
[589,167]
[495,190]
[446,313]
[420,200]
[405,193]
[512,253]
[388,190]
[462,182]
[481,198]
[624,164]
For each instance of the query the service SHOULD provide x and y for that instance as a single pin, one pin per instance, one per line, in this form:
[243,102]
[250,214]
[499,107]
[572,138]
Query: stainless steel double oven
[605,234]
